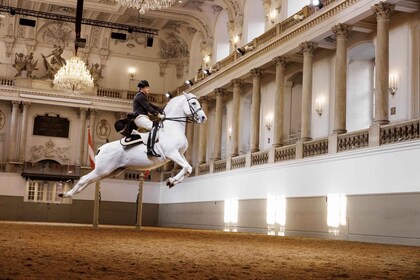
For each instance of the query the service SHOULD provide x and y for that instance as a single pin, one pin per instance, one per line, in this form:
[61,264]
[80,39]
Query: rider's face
[145,90]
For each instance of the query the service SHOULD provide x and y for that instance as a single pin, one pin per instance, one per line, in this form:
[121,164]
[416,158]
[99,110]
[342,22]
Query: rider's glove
[160,116]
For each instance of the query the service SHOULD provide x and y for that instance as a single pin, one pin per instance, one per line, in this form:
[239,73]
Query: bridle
[193,118]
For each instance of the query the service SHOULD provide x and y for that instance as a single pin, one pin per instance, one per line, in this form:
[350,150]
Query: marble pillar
[255,109]
[308,49]
[383,11]
[341,32]
[280,63]
[237,92]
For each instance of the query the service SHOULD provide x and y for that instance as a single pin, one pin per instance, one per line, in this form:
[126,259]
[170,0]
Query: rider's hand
[161,116]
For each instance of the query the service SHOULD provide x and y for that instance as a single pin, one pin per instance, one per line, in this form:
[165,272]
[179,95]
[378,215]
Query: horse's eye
[194,103]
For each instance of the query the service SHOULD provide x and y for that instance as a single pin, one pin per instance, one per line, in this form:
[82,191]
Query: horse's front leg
[185,171]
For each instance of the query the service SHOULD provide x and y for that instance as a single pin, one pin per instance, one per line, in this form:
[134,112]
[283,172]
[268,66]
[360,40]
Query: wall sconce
[189,82]
[392,84]
[230,133]
[319,105]
[272,15]
[207,72]
[269,121]
[168,95]
[132,71]
[235,40]
[240,51]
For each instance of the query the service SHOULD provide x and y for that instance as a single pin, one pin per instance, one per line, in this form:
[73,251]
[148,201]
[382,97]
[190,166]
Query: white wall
[387,169]
[221,38]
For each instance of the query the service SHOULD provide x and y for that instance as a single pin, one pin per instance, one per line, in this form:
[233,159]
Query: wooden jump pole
[140,201]
[96,205]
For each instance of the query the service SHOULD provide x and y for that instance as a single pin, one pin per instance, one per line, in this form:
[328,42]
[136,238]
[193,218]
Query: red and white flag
[90,150]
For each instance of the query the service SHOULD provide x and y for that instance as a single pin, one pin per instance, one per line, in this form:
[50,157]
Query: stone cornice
[61,99]
[287,42]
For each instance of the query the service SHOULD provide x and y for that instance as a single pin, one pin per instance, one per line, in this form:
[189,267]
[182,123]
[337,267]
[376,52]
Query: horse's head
[193,108]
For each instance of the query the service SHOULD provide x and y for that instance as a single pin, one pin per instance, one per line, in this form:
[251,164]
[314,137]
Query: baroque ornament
[49,151]
[145,5]
[175,47]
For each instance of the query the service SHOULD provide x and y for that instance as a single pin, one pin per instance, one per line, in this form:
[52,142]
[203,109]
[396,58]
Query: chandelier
[144,5]
[73,76]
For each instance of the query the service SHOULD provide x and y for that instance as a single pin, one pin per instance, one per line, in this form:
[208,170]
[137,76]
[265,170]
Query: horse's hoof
[170,183]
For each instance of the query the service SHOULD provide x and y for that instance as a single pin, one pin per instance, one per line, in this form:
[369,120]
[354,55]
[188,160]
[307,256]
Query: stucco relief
[56,33]
[50,151]
[173,47]
[103,129]
[2,119]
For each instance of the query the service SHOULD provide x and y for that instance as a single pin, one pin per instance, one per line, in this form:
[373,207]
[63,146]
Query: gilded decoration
[103,129]
[50,151]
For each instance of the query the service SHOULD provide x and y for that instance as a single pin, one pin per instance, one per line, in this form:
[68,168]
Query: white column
[382,10]
[280,63]
[202,147]
[255,109]
[23,131]
[82,143]
[237,92]
[308,50]
[13,130]
[218,130]
[92,114]
[341,32]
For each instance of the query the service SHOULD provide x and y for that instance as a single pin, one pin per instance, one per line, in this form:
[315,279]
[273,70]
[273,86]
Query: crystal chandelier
[145,5]
[73,76]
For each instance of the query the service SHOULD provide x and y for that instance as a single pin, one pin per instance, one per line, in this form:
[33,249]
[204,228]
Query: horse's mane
[174,100]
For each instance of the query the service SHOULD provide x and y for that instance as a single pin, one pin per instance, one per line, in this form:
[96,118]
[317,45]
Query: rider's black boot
[151,142]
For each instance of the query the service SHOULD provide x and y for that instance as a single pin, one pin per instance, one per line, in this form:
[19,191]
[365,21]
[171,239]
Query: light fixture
[317,3]
[230,133]
[272,15]
[73,76]
[168,95]
[132,71]
[393,84]
[207,72]
[269,121]
[240,51]
[319,105]
[189,82]
[235,40]
[145,5]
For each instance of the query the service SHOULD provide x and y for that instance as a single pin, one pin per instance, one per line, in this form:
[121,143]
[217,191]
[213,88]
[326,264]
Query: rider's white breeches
[144,122]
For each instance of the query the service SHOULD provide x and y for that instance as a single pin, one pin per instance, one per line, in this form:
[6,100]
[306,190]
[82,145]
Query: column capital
[236,82]
[308,47]
[383,9]
[83,110]
[26,103]
[203,99]
[92,111]
[341,30]
[15,103]
[256,72]
[281,61]
[219,91]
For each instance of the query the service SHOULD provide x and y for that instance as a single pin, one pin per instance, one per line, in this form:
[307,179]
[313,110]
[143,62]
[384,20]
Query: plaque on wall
[103,129]
[54,126]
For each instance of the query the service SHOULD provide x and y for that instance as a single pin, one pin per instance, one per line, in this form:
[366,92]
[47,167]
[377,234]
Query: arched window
[196,59]
[221,37]
[254,21]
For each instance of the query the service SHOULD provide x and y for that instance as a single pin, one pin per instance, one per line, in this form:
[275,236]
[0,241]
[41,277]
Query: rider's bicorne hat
[143,83]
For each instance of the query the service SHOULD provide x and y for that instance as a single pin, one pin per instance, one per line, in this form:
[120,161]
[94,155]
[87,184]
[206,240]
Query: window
[46,191]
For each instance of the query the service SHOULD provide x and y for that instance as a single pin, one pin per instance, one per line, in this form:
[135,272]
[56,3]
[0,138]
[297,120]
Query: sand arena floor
[29,251]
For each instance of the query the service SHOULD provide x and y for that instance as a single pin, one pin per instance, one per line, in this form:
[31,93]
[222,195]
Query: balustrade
[315,147]
[219,166]
[8,82]
[285,153]
[203,169]
[259,158]
[353,140]
[238,162]
[393,133]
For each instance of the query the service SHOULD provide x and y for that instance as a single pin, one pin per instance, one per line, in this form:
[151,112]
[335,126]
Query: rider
[142,107]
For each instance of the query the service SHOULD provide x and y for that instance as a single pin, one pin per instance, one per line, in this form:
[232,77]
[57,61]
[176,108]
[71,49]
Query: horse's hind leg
[87,180]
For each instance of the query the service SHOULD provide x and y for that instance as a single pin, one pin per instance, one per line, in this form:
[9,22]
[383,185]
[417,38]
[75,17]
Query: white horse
[112,158]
